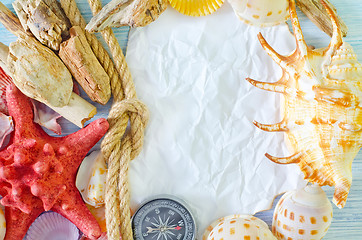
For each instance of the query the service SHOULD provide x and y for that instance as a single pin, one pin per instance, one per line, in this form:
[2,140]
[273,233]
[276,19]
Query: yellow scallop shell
[196,8]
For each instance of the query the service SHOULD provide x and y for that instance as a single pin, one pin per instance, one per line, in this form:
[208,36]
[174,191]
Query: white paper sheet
[200,144]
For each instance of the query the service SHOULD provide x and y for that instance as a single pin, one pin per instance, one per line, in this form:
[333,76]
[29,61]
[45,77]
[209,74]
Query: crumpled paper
[200,144]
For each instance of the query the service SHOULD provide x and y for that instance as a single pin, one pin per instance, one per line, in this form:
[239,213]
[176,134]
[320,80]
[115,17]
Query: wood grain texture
[347,222]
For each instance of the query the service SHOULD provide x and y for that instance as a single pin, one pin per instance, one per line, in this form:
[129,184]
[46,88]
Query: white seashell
[51,225]
[304,214]
[262,13]
[91,179]
[236,227]
[2,224]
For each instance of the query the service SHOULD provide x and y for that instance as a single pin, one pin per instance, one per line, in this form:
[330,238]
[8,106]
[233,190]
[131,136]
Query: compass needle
[166,222]
[161,223]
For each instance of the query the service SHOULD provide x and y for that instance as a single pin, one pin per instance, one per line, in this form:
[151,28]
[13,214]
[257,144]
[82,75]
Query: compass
[163,219]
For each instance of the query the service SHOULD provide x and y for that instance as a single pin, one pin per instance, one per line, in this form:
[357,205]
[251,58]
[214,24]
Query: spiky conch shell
[322,113]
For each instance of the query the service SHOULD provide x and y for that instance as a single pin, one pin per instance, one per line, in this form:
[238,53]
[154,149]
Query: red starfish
[38,172]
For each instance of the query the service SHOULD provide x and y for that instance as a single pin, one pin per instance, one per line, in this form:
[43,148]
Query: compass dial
[163,219]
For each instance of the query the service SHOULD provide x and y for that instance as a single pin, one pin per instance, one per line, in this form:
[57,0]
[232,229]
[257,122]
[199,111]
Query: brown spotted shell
[236,227]
[261,13]
[304,214]
[322,116]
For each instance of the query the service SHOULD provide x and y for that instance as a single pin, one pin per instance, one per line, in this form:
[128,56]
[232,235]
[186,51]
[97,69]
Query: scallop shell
[304,214]
[5,81]
[196,8]
[236,227]
[321,108]
[91,179]
[51,225]
[2,224]
[262,13]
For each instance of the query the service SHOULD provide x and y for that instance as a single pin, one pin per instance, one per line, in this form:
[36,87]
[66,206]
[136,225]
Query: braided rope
[118,147]
[113,151]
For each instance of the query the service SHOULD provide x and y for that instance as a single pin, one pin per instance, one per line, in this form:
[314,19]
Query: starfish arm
[72,207]
[80,142]
[20,107]
[18,223]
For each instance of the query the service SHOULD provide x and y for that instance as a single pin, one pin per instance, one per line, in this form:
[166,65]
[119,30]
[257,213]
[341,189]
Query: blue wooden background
[347,222]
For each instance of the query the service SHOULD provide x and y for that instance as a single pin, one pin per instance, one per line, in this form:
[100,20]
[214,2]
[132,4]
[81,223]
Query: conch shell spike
[273,87]
[279,59]
[295,158]
[301,44]
[278,127]
[336,40]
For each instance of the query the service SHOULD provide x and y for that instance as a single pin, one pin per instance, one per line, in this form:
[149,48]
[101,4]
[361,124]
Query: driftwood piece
[57,9]
[47,24]
[317,13]
[10,21]
[39,73]
[134,13]
[4,52]
[83,64]
[78,110]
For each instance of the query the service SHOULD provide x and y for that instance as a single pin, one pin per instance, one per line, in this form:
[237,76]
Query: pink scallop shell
[51,225]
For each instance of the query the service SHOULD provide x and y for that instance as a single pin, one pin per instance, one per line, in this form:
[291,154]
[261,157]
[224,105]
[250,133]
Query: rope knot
[121,111]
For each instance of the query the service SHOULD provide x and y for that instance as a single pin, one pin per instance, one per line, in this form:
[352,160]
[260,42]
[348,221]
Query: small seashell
[262,13]
[236,227]
[196,8]
[303,214]
[91,179]
[5,81]
[51,225]
[2,224]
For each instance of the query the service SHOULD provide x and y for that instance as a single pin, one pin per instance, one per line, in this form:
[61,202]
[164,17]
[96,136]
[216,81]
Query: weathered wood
[10,21]
[84,66]
[78,110]
[47,24]
[316,12]
[57,9]
[39,73]
[4,52]
[134,13]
